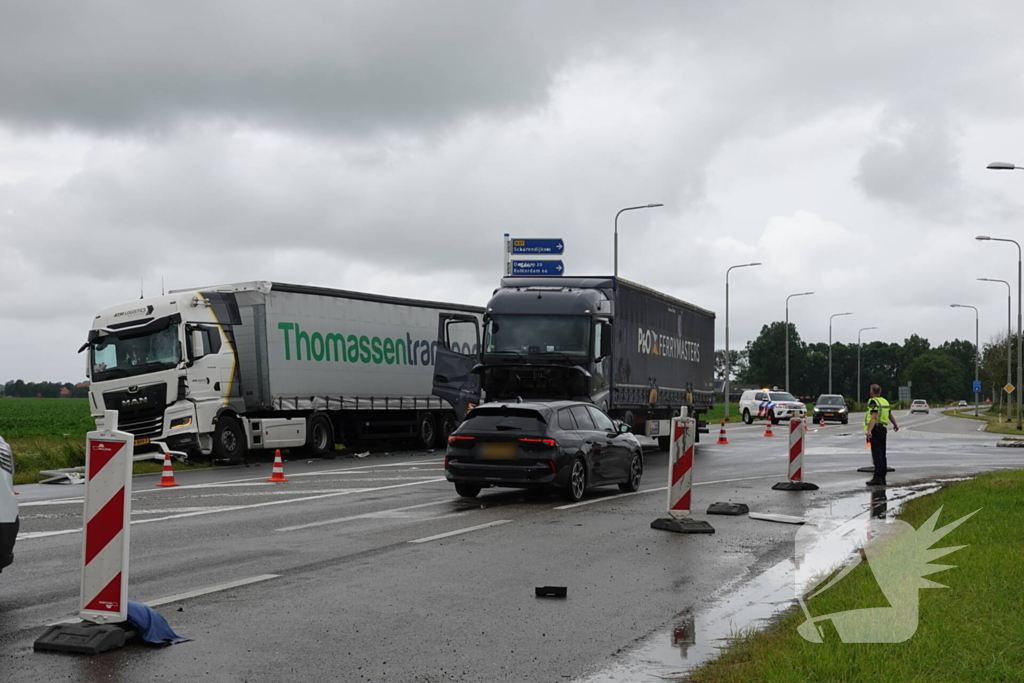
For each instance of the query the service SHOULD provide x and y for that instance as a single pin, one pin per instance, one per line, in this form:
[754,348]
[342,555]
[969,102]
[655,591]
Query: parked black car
[831,407]
[567,445]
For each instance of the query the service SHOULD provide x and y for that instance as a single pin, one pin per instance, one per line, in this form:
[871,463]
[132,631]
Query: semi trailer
[223,370]
[636,353]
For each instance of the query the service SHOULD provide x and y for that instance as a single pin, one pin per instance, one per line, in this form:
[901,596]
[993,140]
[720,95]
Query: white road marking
[232,508]
[59,501]
[461,531]
[192,594]
[365,515]
[210,589]
[601,500]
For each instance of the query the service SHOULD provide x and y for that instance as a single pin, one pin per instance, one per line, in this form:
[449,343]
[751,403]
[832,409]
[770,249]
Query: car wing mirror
[624,428]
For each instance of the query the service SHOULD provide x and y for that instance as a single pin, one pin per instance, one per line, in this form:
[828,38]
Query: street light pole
[834,315]
[976,340]
[986,238]
[863,329]
[787,332]
[1009,333]
[728,358]
[628,208]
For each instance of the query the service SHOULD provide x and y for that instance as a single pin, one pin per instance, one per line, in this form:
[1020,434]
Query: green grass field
[970,631]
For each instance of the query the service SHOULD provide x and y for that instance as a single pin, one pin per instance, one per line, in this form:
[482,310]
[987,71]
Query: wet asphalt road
[362,591]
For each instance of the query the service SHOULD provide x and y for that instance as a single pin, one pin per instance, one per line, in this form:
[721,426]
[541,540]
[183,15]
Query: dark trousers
[878,433]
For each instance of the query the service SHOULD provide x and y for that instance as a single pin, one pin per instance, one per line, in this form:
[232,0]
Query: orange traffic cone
[167,478]
[278,474]
[721,434]
[822,423]
[768,429]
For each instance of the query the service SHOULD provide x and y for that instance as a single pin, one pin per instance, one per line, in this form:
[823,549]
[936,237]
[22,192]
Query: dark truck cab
[637,354]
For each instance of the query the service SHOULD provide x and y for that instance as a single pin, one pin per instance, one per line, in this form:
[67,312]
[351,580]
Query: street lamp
[628,208]
[975,351]
[863,329]
[728,358]
[834,315]
[986,238]
[1009,332]
[787,332]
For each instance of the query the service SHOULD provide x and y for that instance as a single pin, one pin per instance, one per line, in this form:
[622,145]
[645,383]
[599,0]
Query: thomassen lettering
[339,348]
[654,344]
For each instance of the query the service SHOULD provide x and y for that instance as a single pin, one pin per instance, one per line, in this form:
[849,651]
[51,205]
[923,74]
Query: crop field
[49,418]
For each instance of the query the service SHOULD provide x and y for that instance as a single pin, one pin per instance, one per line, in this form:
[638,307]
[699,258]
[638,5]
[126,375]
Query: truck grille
[6,458]
[139,412]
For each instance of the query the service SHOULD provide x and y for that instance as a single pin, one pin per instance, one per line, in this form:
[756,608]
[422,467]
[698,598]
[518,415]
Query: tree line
[21,389]
[937,374]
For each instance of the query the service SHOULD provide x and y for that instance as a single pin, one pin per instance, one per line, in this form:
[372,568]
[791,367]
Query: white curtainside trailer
[263,365]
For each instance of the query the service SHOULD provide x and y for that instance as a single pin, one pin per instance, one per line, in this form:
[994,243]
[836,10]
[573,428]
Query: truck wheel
[228,440]
[664,443]
[448,425]
[427,430]
[747,419]
[319,436]
[467,490]
[629,418]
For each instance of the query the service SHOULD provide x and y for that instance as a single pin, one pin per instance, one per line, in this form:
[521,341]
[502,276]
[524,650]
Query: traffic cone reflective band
[768,429]
[822,423]
[278,473]
[721,434]
[167,478]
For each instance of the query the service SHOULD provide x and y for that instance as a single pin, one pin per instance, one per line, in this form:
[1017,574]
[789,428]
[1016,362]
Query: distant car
[831,407]
[565,445]
[8,506]
[761,404]
[919,406]
[962,403]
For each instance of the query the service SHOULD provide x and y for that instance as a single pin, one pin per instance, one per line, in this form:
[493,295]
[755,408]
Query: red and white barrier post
[796,460]
[106,524]
[680,481]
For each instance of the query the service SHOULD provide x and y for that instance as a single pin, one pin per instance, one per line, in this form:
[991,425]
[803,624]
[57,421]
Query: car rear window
[565,420]
[500,419]
[583,419]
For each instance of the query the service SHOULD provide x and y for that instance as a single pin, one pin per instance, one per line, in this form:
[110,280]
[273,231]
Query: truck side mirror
[606,341]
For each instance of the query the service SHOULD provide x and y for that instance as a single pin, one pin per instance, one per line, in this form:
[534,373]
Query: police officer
[876,420]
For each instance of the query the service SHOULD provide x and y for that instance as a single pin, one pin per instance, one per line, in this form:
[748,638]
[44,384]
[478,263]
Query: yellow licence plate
[141,442]
[498,451]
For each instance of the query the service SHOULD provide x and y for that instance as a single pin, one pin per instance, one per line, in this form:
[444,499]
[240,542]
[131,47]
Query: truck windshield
[122,355]
[538,334]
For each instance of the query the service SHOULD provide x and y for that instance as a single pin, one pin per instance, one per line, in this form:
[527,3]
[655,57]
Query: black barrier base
[795,486]
[728,509]
[683,526]
[84,638]
[551,591]
[872,469]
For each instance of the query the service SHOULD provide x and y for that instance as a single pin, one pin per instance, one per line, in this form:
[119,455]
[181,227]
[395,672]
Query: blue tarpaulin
[151,627]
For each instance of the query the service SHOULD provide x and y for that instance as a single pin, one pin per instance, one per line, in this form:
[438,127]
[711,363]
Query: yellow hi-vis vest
[877,405]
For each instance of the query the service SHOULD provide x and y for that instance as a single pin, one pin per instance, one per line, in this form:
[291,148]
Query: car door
[454,379]
[594,443]
[616,449]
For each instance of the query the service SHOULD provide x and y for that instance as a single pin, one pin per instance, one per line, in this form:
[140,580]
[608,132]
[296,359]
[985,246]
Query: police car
[8,506]
[762,404]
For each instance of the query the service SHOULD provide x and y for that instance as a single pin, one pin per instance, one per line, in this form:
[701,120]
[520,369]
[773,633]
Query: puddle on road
[750,604]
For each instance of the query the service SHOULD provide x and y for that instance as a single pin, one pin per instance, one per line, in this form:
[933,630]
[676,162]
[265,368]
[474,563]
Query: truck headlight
[181,422]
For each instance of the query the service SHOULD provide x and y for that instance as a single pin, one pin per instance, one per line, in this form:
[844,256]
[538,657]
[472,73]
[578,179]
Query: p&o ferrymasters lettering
[654,344]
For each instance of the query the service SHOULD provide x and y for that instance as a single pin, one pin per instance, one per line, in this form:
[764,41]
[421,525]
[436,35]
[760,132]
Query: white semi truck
[222,370]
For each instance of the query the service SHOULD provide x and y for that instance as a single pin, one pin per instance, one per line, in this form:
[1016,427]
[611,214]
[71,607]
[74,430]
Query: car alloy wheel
[577,481]
[636,471]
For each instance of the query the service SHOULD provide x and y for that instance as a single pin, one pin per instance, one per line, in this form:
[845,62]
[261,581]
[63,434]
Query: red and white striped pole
[796,460]
[108,494]
[680,481]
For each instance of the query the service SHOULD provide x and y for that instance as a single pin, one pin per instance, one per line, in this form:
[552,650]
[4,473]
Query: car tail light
[551,464]
[446,462]
[461,441]
[537,444]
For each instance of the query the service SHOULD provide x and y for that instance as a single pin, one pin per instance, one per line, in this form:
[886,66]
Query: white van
[761,404]
[8,506]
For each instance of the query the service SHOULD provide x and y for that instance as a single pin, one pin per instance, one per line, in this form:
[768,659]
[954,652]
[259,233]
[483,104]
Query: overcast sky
[387,146]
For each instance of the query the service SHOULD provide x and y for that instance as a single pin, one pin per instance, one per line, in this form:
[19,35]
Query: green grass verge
[995,426]
[33,455]
[971,631]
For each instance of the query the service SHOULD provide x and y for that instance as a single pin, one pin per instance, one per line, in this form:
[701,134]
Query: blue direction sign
[553,246]
[977,386]
[537,267]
